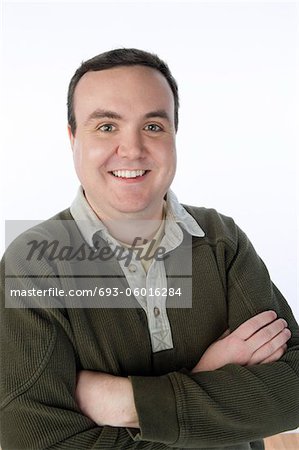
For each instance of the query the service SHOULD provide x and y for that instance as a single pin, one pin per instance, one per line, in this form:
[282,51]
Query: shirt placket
[158,322]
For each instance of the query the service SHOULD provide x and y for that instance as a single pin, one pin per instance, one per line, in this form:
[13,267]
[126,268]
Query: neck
[126,227]
[129,231]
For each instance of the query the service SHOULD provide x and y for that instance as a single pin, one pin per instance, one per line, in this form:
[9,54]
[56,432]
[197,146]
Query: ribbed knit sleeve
[233,404]
[42,350]
[38,375]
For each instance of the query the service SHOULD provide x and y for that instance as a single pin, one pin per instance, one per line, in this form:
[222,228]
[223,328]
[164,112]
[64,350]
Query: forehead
[122,87]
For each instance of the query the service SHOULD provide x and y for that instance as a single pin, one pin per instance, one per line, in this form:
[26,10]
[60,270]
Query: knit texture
[43,349]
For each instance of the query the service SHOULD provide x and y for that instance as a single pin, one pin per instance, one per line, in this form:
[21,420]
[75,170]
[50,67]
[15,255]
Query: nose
[131,145]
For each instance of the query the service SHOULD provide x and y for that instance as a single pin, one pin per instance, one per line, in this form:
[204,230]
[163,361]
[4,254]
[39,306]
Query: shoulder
[58,225]
[217,227]
[49,234]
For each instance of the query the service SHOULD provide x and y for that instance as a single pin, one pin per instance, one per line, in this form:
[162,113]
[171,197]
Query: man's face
[124,145]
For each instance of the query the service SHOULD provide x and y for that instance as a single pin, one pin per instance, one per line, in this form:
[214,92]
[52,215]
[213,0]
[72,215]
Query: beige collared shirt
[140,274]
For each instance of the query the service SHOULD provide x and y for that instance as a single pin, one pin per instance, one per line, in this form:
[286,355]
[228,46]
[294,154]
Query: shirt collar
[89,223]
[176,212]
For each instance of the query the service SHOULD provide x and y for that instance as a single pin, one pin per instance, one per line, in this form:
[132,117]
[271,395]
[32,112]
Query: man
[146,370]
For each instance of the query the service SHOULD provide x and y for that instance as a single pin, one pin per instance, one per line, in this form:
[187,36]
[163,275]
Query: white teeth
[128,173]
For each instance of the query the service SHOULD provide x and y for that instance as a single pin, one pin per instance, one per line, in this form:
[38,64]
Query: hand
[106,399]
[261,339]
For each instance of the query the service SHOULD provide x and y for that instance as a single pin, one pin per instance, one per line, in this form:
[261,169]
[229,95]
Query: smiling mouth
[128,173]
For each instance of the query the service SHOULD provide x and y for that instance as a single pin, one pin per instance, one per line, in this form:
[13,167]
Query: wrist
[130,417]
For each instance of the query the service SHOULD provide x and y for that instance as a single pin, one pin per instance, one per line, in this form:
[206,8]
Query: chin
[131,208]
[131,203]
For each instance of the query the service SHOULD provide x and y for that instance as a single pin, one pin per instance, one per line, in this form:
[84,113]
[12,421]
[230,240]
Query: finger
[276,355]
[266,334]
[253,324]
[271,347]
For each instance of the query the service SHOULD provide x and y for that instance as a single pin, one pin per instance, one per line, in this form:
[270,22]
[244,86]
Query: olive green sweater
[43,349]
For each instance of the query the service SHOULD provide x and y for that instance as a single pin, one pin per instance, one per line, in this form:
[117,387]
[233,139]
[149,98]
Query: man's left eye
[153,127]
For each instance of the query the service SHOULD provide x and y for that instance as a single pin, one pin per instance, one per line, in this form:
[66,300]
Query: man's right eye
[107,128]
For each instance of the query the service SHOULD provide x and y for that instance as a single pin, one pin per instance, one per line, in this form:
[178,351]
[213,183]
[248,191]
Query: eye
[153,127]
[107,128]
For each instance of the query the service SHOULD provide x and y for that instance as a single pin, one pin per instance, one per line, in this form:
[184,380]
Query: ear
[71,136]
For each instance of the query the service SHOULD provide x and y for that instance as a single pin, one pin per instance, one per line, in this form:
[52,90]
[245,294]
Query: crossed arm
[260,340]
[229,397]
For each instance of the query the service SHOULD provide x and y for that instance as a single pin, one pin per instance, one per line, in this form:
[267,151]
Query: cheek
[91,156]
[85,163]
[77,158]
[168,157]
[172,161]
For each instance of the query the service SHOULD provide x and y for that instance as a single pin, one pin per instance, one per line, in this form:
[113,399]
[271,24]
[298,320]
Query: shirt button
[132,268]
[156,311]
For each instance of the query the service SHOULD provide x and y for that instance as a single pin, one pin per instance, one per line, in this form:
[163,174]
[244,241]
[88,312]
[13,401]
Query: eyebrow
[159,113]
[102,114]
[106,114]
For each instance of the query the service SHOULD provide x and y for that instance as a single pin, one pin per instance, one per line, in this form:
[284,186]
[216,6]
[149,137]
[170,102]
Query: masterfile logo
[53,250]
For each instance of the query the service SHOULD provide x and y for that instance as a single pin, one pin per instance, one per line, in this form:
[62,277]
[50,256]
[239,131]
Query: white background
[235,64]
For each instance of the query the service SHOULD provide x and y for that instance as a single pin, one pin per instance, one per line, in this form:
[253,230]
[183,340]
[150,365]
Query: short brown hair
[120,57]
